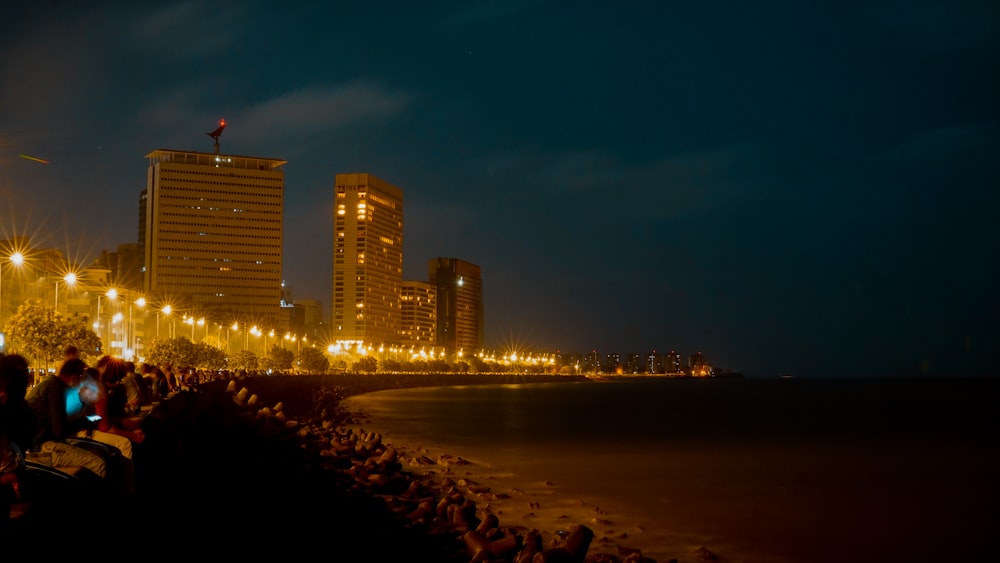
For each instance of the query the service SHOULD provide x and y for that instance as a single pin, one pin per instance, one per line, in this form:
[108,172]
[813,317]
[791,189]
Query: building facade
[418,302]
[459,304]
[367,260]
[213,234]
[308,319]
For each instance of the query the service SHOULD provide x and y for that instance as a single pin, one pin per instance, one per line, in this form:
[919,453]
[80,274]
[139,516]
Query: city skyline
[786,188]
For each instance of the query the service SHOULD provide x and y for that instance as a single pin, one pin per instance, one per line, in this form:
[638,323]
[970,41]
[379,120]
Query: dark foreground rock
[211,481]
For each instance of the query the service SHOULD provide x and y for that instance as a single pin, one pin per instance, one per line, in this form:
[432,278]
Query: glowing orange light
[222,122]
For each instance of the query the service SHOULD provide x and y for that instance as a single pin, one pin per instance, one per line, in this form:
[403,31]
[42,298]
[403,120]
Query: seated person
[114,426]
[52,427]
[137,384]
[15,428]
[16,417]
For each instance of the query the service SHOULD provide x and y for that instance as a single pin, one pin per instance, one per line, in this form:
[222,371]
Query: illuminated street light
[246,334]
[140,303]
[166,310]
[111,294]
[116,319]
[70,280]
[16,259]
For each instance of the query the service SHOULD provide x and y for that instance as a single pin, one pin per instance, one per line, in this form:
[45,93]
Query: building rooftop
[217,160]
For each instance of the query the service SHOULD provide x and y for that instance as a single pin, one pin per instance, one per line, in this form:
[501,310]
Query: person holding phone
[53,431]
[110,423]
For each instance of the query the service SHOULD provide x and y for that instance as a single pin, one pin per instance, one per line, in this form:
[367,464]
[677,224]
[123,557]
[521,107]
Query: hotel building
[213,227]
[459,304]
[367,260]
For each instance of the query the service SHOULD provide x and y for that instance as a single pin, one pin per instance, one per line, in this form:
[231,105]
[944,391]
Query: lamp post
[16,259]
[111,294]
[201,322]
[255,331]
[116,319]
[70,280]
[166,310]
[140,303]
[190,321]
[235,327]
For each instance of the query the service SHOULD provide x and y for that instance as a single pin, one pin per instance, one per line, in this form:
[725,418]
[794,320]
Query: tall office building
[459,304]
[367,260]
[213,233]
[418,303]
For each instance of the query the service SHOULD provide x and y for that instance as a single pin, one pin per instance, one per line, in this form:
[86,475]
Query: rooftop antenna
[216,134]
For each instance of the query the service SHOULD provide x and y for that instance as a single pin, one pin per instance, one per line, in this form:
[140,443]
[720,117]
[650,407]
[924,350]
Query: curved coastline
[757,470]
[501,493]
[532,499]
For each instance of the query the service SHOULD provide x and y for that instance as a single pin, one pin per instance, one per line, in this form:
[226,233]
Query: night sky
[784,187]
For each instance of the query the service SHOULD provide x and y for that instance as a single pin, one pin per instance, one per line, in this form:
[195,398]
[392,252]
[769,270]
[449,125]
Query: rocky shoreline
[434,496]
[278,465]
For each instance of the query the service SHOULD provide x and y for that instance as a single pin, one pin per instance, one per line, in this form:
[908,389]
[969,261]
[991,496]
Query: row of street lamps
[129,341]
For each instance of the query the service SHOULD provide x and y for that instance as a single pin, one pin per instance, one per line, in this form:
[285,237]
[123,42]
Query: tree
[390,366]
[367,364]
[208,357]
[178,352]
[41,333]
[279,359]
[438,366]
[313,361]
[244,359]
[78,333]
[477,364]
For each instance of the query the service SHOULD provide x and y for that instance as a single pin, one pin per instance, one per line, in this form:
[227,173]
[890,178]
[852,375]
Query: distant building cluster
[670,364]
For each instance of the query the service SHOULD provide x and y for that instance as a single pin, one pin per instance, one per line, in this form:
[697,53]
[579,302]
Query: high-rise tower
[213,233]
[459,304]
[367,259]
[419,314]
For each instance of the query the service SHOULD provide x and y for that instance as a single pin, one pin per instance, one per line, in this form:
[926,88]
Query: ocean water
[756,470]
